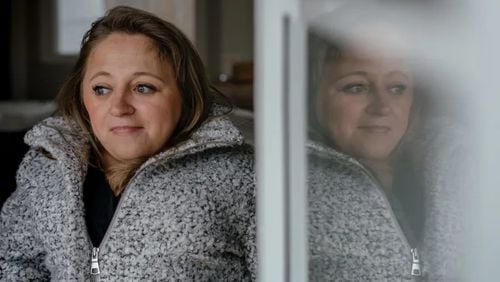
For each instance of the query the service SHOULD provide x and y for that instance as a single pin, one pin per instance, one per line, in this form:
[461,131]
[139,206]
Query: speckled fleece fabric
[353,233]
[187,215]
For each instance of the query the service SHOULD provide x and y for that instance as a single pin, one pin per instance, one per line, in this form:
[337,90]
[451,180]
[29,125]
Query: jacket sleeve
[21,254]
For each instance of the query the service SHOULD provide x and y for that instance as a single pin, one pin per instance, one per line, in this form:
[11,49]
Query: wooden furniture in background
[240,94]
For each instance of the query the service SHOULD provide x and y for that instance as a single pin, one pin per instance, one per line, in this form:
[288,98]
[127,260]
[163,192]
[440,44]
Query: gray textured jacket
[353,232]
[188,214]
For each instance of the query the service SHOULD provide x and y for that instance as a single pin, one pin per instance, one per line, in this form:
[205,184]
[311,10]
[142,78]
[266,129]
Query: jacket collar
[324,151]
[63,139]
[216,131]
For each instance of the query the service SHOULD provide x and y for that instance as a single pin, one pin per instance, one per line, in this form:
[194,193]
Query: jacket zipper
[415,263]
[95,270]
[94,265]
[415,257]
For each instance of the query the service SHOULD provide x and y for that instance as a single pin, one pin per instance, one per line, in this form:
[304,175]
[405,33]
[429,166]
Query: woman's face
[365,104]
[131,96]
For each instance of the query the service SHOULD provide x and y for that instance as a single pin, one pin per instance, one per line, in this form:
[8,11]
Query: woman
[139,176]
[383,199]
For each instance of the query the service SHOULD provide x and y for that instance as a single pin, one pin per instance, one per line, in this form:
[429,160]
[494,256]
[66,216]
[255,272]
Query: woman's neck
[383,171]
[118,173]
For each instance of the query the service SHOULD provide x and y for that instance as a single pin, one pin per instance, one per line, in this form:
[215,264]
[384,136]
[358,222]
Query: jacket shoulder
[37,168]
[236,153]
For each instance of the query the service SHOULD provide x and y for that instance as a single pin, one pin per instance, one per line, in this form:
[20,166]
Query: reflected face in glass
[131,97]
[365,104]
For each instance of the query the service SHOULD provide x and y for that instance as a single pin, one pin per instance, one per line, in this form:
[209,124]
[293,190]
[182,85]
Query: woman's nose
[121,104]
[379,103]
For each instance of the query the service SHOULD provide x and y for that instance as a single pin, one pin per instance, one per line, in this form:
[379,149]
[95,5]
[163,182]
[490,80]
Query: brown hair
[173,47]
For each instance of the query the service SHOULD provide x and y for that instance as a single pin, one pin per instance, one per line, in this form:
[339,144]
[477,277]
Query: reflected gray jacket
[353,232]
[188,214]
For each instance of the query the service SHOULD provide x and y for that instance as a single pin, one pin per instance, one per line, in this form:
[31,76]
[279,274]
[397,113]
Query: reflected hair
[322,54]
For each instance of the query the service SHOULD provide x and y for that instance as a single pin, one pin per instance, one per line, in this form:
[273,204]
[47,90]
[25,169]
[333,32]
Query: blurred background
[44,37]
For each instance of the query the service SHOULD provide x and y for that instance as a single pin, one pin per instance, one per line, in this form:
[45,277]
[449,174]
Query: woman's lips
[378,129]
[124,130]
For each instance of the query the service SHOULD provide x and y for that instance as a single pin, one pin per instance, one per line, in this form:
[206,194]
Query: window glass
[73,19]
[387,141]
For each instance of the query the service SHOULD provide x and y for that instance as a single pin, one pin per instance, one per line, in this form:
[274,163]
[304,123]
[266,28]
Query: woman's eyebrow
[99,73]
[398,72]
[352,73]
[149,74]
[104,73]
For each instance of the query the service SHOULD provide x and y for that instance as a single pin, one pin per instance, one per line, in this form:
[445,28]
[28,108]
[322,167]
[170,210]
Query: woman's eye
[100,90]
[144,89]
[398,89]
[355,88]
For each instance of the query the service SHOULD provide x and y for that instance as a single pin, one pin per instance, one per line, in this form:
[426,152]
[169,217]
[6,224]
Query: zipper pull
[94,262]
[415,263]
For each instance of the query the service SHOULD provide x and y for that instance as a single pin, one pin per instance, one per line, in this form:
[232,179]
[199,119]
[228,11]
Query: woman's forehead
[354,61]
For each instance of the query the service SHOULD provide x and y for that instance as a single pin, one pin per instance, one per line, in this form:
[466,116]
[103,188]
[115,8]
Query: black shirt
[407,201]
[100,204]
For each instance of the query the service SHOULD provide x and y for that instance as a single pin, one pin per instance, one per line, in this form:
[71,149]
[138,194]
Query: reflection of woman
[381,207]
[139,177]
